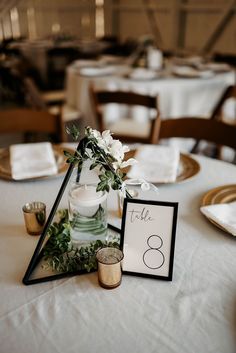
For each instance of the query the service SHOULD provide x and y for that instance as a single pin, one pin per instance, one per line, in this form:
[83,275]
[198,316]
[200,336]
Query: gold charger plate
[187,169]
[221,194]
[62,166]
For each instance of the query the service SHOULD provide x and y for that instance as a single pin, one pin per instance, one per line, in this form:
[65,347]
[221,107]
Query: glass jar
[87,212]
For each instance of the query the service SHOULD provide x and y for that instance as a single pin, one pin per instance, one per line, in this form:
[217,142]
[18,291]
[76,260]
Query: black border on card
[38,252]
[173,234]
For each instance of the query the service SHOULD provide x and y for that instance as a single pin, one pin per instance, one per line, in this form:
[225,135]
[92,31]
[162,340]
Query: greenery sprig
[60,255]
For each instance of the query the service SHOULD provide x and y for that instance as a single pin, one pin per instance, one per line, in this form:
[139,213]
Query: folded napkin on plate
[32,160]
[97,71]
[142,74]
[223,214]
[187,71]
[157,164]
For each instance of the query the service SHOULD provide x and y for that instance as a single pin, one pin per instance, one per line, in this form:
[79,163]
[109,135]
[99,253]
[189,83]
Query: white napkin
[157,164]
[32,160]
[97,71]
[223,214]
[84,63]
[187,71]
[142,74]
[216,67]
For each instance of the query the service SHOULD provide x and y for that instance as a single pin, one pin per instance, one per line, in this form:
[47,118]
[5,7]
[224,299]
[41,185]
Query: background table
[196,312]
[177,96]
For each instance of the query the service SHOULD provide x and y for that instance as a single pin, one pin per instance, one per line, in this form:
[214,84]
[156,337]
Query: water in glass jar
[87,214]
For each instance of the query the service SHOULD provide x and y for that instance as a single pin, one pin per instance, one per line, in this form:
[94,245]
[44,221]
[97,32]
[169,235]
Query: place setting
[192,72]
[32,161]
[98,67]
[94,71]
[219,207]
[162,165]
[217,68]
[198,68]
[144,74]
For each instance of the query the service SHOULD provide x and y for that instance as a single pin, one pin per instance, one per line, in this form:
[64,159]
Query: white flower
[96,134]
[130,161]
[126,148]
[145,186]
[108,139]
[116,150]
[115,165]
[105,141]
[89,153]
[113,147]
[101,143]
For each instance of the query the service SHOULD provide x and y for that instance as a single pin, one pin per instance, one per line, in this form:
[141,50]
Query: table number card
[148,238]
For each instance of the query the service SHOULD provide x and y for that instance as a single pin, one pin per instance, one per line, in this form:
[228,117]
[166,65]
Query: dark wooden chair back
[214,131]
[33,97]
[30,121]
[101,98]
[230,92]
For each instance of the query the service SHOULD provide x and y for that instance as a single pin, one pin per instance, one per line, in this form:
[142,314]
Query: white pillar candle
[155,59]
[86,199]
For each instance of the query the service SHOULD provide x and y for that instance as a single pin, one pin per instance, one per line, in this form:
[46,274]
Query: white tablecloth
[178,97]
[193,313]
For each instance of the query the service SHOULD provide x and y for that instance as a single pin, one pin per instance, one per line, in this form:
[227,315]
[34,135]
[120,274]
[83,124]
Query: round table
[193,313]
[177,97]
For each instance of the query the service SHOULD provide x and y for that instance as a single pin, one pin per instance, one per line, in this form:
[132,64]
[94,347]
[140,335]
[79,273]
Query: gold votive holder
[109,267]
[35,217]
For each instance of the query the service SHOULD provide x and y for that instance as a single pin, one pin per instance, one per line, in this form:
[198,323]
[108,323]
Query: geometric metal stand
[38,252]
[39,248]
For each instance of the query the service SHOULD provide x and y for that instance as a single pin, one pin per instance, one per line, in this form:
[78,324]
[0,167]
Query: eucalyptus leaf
[61,256]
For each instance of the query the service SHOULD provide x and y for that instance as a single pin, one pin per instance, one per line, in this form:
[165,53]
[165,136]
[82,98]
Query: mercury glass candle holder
[109,267]
[34,216]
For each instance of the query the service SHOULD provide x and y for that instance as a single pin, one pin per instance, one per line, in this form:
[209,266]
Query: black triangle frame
[38,252]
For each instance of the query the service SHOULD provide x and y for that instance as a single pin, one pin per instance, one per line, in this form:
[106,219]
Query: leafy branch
[61,256]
